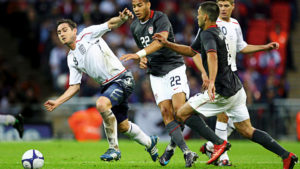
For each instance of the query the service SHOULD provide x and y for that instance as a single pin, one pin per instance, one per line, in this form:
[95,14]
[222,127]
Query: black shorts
[118,92]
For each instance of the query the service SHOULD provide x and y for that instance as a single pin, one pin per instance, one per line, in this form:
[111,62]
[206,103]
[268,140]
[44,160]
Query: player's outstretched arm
[181,49]
[116,22]
[256,48]
[152,47]
[50,105]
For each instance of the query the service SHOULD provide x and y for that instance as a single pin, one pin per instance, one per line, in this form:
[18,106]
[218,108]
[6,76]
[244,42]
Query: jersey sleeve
[241,44]
[196,45]
[97,30]
[209,42]
[75,74]
[162,24]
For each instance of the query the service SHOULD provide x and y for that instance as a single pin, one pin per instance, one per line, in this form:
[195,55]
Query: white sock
[221,131]
[135,133]
[7,119]
[110,128]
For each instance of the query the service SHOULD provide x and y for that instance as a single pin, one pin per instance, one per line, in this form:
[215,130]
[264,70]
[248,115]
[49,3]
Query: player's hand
[50,105]
[126,14]
[211,91]
[158,36]
[129,57]
[272,45]
[143,63]
[205,81]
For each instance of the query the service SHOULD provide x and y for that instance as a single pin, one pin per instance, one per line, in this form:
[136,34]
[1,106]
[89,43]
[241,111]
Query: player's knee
[103,104]
[222,118]
[123,127]
[247,132]
[177,107]
[167,114]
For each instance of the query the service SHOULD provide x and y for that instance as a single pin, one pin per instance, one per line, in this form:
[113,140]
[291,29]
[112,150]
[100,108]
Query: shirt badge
[150,30]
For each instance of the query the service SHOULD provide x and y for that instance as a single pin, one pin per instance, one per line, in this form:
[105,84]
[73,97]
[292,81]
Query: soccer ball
[32,159]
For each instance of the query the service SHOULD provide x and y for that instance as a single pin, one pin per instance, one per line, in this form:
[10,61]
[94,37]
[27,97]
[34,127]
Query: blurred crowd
[32,22]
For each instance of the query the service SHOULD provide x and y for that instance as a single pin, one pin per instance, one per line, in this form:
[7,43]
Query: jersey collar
[151,16]
[212,26]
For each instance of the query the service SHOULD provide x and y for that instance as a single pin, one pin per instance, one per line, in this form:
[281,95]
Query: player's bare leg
[134,132]
[175,132]
[178,100]
[104,106]
[166,109]
[170,149]
[245,128]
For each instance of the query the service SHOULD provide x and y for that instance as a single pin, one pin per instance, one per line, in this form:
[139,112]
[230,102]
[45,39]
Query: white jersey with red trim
[234,36]
[93,57]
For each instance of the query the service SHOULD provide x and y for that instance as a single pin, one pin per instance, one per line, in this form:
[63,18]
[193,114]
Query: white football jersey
[234,36]
[93,57]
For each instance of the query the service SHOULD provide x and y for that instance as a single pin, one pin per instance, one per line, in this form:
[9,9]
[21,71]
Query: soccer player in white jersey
[91,55]
[16,121]
[231,29]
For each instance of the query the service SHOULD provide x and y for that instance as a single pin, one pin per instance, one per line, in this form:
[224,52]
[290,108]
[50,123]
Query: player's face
[141,9]
[65,34]
[200,18]
[226,9]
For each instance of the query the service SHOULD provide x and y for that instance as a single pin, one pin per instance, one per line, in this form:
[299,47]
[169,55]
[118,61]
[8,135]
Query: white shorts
[166,86]
[234,106]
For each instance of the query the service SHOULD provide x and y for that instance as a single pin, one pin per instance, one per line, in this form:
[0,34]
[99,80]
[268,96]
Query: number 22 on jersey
[145,41]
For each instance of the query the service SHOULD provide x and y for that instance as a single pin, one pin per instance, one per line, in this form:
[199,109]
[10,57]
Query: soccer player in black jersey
[166,69]
[225,92]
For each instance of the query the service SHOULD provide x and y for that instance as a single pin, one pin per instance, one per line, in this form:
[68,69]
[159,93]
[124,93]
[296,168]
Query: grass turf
[61,154]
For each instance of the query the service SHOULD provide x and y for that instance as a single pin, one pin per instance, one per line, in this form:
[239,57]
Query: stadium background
[33,64]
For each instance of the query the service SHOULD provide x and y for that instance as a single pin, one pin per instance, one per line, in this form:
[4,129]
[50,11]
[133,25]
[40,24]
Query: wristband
[141,53]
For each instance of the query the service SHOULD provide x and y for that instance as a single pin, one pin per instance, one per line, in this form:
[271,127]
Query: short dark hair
[211,9]
[71,23]
[230,1]
[146,1]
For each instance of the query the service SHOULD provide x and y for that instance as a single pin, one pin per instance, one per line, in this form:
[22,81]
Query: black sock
[196,123]
[174,131]
[172,143]
[269,143]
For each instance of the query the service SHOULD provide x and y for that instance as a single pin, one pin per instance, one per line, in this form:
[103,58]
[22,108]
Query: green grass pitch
[61,154]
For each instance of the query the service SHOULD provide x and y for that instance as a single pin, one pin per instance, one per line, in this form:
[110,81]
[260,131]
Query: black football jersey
[164,60]
[227,83]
